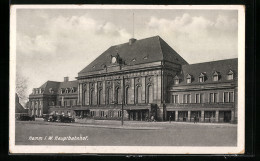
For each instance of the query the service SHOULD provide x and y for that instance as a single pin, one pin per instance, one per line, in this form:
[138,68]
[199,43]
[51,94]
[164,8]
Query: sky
[54,43]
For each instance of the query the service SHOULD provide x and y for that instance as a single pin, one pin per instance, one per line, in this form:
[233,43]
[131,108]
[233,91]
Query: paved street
[110,133]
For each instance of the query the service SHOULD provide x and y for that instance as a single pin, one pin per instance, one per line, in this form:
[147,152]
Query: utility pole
[123,100]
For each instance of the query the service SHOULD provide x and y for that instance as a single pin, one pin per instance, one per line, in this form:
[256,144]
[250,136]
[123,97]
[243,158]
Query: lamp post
[123,100]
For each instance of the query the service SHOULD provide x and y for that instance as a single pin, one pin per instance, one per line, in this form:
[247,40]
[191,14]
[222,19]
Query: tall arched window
[108,96]
[126,95]
[138,94]
[84,98]
[150,94]
[100,97]
[91,99]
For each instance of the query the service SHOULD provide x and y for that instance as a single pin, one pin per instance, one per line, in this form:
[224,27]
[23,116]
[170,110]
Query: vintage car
[62,118]
[52,118]
[26,118]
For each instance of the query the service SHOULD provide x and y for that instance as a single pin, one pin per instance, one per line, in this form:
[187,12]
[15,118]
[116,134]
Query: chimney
[131,41]
[66,79]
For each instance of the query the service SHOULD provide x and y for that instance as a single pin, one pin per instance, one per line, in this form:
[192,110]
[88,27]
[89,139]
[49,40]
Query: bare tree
[21,86]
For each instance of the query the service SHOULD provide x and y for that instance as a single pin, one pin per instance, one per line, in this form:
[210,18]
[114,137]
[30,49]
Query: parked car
[45,117]
[62,118]
[27,118]
[52,118]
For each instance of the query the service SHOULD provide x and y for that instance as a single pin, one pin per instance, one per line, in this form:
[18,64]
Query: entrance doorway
[138,115]
[170,114]
[209,116]
[195,114]
[183,115]
[224,116]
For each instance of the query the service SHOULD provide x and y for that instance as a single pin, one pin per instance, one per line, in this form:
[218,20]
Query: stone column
[155,88]
[202,116]
[188,116]
[159,90]
[217,116]
[232,116]
[33,109]
[176,115]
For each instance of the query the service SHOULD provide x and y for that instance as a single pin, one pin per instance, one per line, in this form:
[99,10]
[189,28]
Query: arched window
[108,96]
[84,97]
[150,94]
[127,95]
[118,96]
[138,94]
[91,99]
[100,96]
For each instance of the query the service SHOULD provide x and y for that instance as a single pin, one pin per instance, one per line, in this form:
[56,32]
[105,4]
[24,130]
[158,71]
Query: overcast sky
[53,43]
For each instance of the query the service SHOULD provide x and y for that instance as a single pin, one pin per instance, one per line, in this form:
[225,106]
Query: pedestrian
[194,119]
[170,118]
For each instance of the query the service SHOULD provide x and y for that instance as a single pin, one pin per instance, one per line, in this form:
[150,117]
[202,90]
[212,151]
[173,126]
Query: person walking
[170,118]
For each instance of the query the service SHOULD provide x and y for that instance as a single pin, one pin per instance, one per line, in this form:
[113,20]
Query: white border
[239,149]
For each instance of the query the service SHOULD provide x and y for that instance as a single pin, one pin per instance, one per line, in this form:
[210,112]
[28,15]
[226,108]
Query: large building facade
[147,78]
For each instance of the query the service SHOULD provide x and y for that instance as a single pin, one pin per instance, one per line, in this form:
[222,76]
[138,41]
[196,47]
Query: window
[119,114]
[150,94]
[213,97]
[92,113]
[102,113]
[111,114]
[176,81]
[228,97]
[186,98]
[197,98]
[215,77]
[175,99]
[201,98]
[230,75]
[188,80]
[202,77]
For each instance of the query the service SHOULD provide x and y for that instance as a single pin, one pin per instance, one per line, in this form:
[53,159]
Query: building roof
[56,86]
[142,51]
[222,67]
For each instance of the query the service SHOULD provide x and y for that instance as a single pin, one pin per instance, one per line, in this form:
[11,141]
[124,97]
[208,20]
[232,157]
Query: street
[133,134]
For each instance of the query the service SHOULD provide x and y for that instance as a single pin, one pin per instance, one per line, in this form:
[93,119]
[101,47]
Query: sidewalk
[137,125]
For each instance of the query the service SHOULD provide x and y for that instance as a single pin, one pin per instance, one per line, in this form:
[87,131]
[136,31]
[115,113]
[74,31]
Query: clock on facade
[114,59]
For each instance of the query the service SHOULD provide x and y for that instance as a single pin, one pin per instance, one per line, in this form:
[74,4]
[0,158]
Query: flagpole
[123,100]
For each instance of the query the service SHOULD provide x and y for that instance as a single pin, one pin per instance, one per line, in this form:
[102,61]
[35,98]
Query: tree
[21,87]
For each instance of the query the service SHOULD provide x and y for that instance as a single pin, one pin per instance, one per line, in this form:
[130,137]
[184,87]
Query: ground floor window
[102,113]
[92,113]
[224,116]
[111,114]
[209,116]
[119,114]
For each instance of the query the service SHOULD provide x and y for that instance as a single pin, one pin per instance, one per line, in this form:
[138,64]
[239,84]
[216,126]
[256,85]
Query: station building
[149,78]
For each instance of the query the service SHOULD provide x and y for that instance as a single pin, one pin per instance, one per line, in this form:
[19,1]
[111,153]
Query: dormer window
[145,57]
[134,59]
[67,90]
[215,76]
[113,60]
[72,90]
[51,90]
[61,91]
[202,77]
[176,80]
[230,75]
[188,78]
